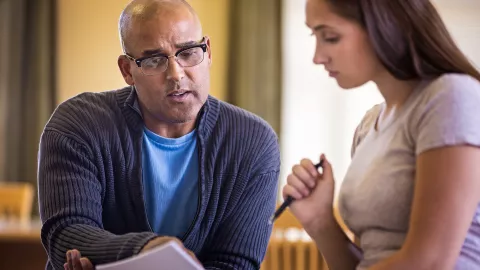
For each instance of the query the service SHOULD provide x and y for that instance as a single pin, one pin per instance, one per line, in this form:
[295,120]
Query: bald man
[123,171]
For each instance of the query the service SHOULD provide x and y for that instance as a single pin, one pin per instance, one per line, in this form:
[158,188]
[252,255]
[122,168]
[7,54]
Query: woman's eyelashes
[328,38]
[331,39]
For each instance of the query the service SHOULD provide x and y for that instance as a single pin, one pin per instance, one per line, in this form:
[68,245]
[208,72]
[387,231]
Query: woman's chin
[348,84]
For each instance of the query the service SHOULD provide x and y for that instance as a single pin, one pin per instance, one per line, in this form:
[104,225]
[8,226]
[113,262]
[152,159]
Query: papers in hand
[167,256]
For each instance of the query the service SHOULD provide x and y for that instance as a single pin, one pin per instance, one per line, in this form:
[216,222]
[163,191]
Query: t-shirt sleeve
[450,114]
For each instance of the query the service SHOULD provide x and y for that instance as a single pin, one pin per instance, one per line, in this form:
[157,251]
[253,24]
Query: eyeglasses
[186,57]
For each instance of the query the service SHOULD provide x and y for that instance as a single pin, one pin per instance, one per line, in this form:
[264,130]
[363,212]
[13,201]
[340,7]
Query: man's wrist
[148,244]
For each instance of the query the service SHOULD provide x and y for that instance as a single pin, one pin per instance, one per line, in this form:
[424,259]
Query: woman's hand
[313,193]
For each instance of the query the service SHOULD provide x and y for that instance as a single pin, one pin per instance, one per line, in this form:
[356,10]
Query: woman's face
[343,46]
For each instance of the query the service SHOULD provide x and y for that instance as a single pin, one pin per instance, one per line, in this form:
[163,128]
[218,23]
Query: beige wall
[88,44]
[214,17]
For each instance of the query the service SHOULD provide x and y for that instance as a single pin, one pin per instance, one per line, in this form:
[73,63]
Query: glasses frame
[138,61]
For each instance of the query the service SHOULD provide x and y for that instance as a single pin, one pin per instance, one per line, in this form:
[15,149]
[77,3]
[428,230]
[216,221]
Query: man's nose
[175,72]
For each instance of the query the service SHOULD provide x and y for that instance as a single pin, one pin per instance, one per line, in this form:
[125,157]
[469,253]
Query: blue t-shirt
[170,182]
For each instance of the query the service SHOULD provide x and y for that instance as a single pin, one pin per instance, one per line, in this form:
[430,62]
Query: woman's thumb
[326,167]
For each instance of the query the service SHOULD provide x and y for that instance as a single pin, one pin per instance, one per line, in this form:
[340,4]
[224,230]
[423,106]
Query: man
[123,171]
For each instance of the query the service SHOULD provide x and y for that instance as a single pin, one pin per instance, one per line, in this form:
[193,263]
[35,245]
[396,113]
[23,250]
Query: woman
[411,194]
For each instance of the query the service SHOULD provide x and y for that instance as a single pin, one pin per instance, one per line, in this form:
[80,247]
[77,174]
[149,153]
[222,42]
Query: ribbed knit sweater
[90,182]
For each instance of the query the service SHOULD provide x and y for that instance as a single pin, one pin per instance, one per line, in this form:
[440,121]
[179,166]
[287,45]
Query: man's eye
[187,53]
[155,61]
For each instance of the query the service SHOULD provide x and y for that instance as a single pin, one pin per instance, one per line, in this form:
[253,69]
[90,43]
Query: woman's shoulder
[447,113]
[452,86]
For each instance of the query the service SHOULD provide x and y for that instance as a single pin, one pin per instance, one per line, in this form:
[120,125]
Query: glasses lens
[159,64]
[154,65]
[190,57]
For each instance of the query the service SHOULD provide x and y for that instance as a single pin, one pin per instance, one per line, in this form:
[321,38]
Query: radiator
[292,249]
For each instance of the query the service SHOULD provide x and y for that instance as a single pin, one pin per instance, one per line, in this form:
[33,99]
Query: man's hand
[76,262]
[155,242]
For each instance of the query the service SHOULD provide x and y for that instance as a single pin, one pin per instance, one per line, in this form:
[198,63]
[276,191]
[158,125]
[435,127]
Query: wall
[215,20]
[88,45]
[320,117]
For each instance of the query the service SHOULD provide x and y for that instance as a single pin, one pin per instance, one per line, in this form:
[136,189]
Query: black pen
[288,201]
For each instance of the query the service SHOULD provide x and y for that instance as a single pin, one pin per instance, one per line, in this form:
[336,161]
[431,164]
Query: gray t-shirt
[376,195]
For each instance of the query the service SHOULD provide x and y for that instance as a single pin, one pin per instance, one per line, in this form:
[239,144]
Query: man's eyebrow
[152,52]
[178,46]
[186,44]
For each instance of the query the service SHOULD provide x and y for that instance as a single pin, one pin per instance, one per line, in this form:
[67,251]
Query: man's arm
[241,240]
[70,198]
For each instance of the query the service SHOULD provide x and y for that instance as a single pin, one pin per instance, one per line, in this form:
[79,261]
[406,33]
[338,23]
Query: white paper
[167,256]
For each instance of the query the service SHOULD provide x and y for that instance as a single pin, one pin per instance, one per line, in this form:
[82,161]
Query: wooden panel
[21,247]
[22,255]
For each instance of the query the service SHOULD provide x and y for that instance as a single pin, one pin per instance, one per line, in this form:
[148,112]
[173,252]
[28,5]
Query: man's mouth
[179,95]
[178,92]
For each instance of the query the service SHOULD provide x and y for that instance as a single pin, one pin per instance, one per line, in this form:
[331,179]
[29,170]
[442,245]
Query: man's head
[170,89]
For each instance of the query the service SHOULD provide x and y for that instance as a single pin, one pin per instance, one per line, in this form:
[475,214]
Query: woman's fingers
[303,174]
[289,190]
[303,179]
[299,188]
[310,168]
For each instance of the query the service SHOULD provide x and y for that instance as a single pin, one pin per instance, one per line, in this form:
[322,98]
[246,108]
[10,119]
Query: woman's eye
[332,39]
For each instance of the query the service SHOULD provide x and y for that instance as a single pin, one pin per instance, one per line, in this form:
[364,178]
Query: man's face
[173,89]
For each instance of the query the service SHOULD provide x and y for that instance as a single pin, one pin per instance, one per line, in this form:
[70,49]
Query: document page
[167,256]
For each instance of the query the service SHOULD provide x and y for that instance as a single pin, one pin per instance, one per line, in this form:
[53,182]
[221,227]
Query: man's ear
[124,66]
[209,50]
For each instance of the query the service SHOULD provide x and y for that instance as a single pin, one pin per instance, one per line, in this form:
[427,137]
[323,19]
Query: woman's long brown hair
[408,36]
